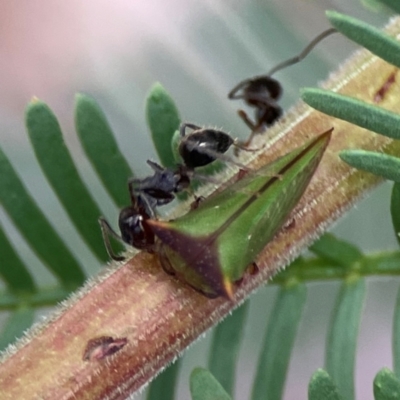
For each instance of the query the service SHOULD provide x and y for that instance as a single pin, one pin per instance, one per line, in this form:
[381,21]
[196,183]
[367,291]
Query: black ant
[133,227]
[263,91]
[199,148]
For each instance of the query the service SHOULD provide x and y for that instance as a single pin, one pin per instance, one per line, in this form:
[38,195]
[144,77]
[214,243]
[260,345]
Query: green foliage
[337,251]
[373,39]
[394,5]
[34,226]
[163,119]
[225,347]
[101,148]
[396,337]
[278,342]
[355,111]
[342,342]
[13,272]
[203,386]
[59,168]
[321,387]
[386,385]
[164,386]
[395,210]
[379,164]
[20,320]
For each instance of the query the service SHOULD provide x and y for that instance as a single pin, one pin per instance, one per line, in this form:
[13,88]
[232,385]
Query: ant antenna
[304,52]
[106,232]
[286,63]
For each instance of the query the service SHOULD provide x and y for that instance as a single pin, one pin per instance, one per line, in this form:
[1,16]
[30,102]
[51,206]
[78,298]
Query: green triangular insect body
[211,247]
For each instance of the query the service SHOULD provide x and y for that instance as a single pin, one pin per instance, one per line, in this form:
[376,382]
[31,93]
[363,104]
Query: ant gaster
[198,148]
[263,92]
[203,146]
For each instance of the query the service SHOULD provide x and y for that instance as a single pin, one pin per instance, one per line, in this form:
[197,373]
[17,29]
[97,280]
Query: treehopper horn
[211,247]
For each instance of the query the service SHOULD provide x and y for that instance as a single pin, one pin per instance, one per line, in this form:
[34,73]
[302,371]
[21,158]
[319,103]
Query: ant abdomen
[263,87]
[202,146]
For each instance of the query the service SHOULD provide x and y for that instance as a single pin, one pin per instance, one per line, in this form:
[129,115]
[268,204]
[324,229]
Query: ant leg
[184,125]
[223,157]
[244,145]
[106,232]
[205,179]
[134,188]
[134,192]
[243,115]
[197,201]
[239,145]
[155,167]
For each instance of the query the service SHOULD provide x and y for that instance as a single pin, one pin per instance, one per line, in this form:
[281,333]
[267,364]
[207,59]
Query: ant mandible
[263,92]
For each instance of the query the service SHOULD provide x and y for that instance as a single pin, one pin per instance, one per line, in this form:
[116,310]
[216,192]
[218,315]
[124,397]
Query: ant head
[134,229]
[202,147]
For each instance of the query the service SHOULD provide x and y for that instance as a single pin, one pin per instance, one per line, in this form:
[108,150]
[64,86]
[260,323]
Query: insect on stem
[263,92]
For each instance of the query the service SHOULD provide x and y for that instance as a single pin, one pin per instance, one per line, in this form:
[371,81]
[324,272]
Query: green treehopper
[211,247]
